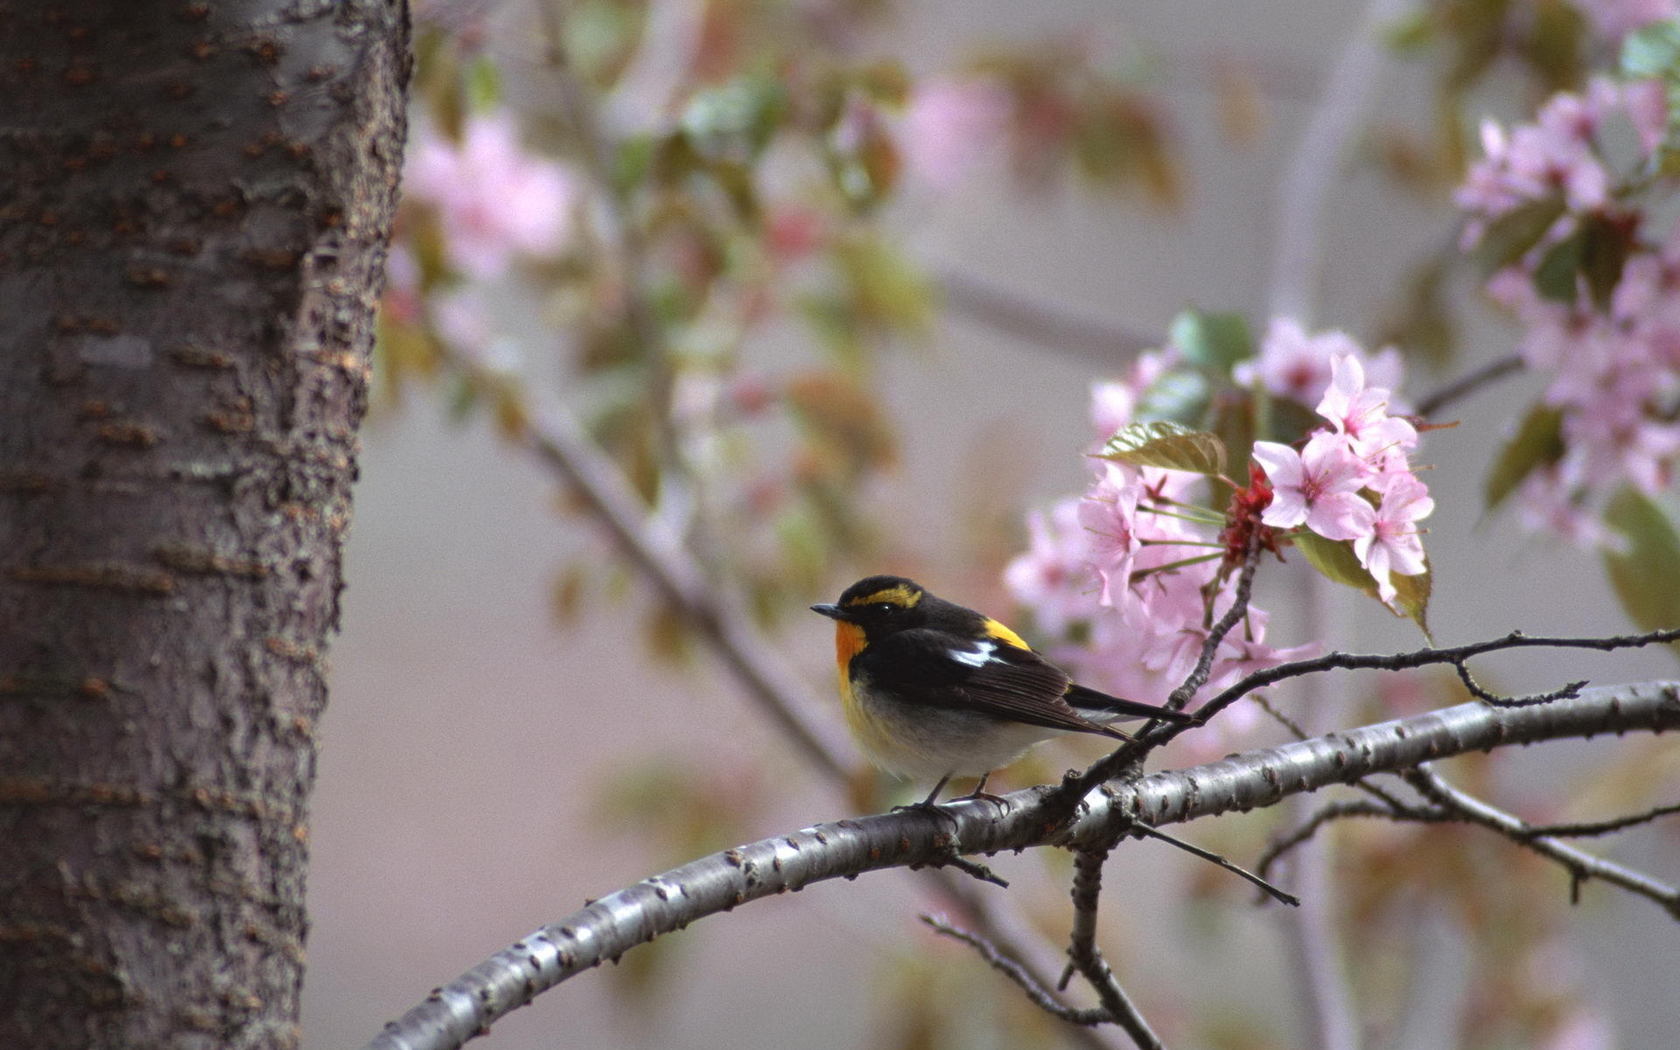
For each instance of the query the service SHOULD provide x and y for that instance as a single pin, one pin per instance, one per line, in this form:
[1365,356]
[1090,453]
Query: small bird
[933,689]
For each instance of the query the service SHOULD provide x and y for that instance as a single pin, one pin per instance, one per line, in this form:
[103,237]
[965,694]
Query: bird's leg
[937,788]
[981,792]
[927,803]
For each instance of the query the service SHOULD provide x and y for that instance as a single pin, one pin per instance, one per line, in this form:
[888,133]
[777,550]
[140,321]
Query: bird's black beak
[833,612]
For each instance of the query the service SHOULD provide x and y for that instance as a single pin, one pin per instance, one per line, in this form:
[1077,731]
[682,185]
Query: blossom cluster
[1130,574]
[1353,479]
[1606,338]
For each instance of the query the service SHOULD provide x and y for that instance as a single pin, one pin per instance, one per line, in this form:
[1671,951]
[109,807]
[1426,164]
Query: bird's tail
[1100,707]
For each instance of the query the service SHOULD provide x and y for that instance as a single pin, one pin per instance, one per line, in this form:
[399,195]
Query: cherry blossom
[1317,487]
[1293,364]
[494,200]
[1394,543]
[950,126]
[1360,413]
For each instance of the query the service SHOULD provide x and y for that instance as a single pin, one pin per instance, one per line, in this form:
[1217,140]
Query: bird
[932,689]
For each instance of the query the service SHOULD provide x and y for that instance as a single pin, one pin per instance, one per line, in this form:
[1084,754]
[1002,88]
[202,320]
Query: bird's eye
[885,607]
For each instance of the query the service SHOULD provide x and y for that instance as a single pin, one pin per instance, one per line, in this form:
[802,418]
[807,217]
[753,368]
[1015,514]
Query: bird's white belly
[926,743]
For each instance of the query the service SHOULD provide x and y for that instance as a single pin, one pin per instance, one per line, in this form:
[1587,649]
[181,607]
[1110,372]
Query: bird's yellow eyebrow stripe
[1003,634]
[901,596]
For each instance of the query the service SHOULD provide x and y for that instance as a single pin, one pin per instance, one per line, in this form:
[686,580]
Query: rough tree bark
[195,198]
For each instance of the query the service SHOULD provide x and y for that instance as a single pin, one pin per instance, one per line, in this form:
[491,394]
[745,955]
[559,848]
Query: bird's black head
[881,604]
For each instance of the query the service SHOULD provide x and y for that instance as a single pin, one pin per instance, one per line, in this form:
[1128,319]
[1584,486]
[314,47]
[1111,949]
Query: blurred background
[904,300]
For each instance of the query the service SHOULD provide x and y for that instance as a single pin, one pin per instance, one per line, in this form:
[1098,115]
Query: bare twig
[1417,658]
[660,557]
[1041,996]
[1050,325]
[1564,692]
[1267,889]
[1334,811]
[1468,384]
[1580,865]
[1086,958]
[1584,829]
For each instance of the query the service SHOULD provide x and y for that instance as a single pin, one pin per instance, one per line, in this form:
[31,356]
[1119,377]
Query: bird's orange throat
[848,642]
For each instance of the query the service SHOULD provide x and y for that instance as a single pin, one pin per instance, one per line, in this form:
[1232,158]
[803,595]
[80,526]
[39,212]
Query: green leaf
[1335,560]
[1537,443]
[1511,236]
[1180,394]
[1653,51]
[1554,278]
[1215,341]
[1411,597]
[734,122]
[1644,572]
[1169,445]
[484,85]
[1605,245]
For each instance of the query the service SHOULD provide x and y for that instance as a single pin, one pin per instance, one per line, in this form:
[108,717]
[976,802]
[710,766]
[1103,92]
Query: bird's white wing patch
[978,656]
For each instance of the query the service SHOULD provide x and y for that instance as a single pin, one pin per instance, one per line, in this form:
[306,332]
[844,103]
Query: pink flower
[1394,545]
[1533,161]
[1360,413]
[1109,514]
[950,126]
[1053,576]
[1318,486]
[1614,19]
[1114,404]
[1298,366]
[494,200]
[1547,503]
[1647,107]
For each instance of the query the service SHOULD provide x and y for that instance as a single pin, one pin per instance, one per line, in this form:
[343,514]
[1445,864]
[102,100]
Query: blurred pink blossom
[1647,109]
[1053,576]
[1296,365]
[1547,503]
[950,126]
[1614,19]
[494,200]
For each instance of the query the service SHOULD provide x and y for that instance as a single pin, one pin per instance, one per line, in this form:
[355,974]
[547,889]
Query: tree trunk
[195,198]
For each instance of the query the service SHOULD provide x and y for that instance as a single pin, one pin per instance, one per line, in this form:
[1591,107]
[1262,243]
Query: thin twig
[1208,855]
[1041,996]
[1073,788]
[1048,324]
[1334,811]
[1580,864]
[1568,691]
[1468,384]
[1086,958]
[1584,829]
[1418,658]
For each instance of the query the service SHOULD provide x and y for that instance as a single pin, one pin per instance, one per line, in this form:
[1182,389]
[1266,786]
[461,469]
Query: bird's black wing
[1089,699]
[989,675]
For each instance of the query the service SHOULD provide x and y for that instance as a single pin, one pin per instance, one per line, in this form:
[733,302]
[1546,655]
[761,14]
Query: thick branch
[611,926]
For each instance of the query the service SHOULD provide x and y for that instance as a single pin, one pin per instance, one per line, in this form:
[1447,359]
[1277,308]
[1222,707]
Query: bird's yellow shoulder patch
[1004,634]
[899,595]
